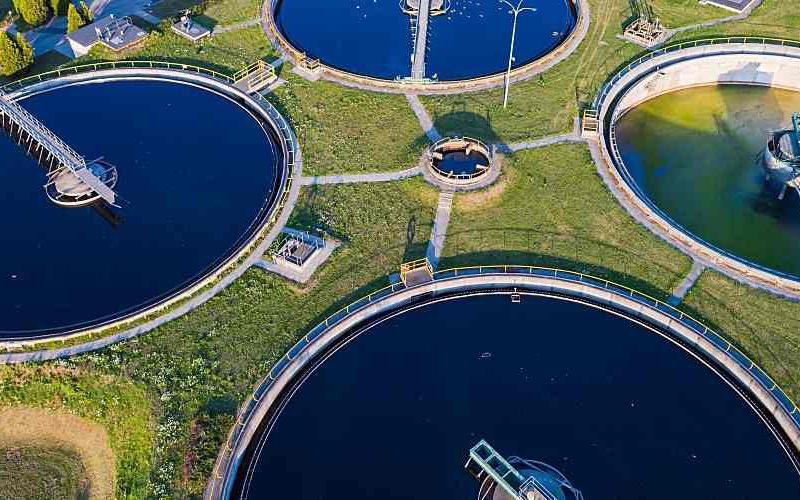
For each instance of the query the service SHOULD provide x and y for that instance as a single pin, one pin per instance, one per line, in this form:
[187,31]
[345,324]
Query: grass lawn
[348,130]
[774,18]
[203,365]
[120,406]
[226,12]
[40,473]
[676,13]
[226,53]
[765,327]
[552,209]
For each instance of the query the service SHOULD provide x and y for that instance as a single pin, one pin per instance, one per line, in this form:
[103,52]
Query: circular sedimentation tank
[192,195]
[375,38]
[617,408]
[697,155]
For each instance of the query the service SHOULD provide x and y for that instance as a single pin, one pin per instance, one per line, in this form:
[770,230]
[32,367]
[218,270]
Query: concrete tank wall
[749,69]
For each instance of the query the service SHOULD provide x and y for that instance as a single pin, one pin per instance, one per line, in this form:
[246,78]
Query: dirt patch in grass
[47,454]
[489,196]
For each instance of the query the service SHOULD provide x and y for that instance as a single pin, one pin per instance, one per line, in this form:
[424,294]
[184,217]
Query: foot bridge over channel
[52,152]
[421,12]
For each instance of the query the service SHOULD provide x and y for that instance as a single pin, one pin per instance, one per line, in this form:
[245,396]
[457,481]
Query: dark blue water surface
[373,37]
[196,170]
[621,411]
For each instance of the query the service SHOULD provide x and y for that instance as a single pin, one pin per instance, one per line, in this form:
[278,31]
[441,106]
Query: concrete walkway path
[439,230]
[424,118]
[688,282]
[359,178]
[571,137]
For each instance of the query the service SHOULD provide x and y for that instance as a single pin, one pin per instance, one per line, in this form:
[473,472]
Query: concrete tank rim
[558,54]
[260,225]
[606,102]
[267,398]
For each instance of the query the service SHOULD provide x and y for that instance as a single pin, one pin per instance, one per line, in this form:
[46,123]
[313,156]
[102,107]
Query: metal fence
[218,486]
[743,40]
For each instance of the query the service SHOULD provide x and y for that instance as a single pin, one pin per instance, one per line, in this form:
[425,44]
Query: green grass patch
[774,18]
[348,130]
[226,53]
[120,406]
[226,12]
[36,473]
[552,209]
[763,326]
[677,13]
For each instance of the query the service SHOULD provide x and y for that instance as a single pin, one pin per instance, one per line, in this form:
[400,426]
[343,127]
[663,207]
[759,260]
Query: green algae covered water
[694,154]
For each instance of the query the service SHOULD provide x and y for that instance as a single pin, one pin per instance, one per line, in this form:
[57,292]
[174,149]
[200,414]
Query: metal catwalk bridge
[421,41]
[47,144]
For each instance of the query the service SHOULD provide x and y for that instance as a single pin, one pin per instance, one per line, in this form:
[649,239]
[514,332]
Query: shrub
[33,12]
[15,54]
[74,19]
[59,7]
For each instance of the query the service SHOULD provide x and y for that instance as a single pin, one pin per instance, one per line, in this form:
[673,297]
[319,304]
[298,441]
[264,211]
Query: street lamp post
[516,10]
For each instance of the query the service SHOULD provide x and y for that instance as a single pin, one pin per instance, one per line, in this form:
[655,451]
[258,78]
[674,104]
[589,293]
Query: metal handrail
[285,136]
[98,66]
[235,435]
[743,40]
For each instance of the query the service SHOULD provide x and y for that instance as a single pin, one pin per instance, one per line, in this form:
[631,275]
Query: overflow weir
[52,152]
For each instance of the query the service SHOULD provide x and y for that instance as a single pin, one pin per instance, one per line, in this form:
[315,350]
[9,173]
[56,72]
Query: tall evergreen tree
[59,7]
[86,13]
[25,50]
[74,19]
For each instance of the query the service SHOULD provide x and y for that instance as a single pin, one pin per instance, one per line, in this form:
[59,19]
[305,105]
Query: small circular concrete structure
[461,163]
[752,384]
[740,61]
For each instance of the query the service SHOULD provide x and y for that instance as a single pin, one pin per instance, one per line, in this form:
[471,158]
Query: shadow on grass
[466,123]
[597,269]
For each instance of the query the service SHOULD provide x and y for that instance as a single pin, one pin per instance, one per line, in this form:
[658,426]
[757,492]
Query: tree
[86,13]
[15,54]
[33,12]
[26,50]
[78,17]
[59,7]
[74,19]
